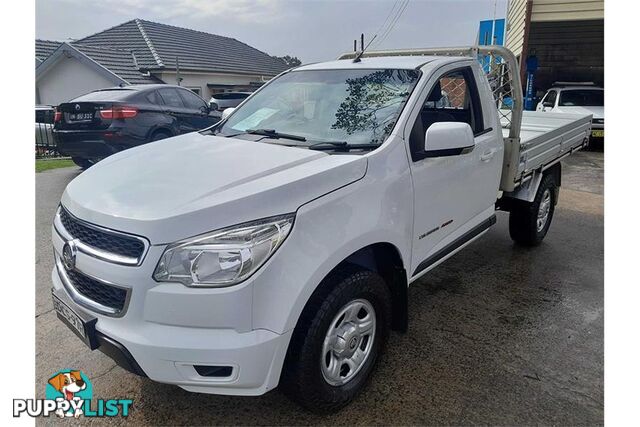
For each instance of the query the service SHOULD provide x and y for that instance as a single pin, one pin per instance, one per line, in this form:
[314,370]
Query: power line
[384,34]
[386,20]
[394,21]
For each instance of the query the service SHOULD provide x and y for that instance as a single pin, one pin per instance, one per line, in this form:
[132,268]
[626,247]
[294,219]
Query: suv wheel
[338,340]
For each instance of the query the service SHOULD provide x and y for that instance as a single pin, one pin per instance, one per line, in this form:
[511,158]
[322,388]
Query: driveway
[498,334]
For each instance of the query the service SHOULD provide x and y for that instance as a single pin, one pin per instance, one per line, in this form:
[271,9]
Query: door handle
[487,155]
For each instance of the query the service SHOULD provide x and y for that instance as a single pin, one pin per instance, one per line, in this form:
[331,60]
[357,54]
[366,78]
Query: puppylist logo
[68,394]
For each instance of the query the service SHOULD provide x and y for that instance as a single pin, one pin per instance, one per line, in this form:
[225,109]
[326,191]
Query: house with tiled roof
[139,51]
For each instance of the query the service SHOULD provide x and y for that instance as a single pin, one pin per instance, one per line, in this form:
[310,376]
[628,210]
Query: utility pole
[178,76]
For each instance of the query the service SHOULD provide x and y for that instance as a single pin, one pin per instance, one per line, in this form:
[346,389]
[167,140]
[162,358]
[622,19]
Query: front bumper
[597,129]
[168,329]
[168,354]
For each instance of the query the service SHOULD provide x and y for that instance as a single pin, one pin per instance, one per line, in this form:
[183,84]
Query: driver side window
[550,99]
[453,98]
[192,101]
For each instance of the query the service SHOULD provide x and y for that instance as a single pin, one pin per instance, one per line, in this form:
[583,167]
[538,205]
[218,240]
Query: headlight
[223,257]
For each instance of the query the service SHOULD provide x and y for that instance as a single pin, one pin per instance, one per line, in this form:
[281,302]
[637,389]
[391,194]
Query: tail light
[57,116]
[119,113]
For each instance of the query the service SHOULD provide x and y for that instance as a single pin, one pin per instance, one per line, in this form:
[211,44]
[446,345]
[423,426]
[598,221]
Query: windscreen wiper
[272,133]
[341,146]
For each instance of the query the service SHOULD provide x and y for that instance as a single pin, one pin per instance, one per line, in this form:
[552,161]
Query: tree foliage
[291,61]
[368,96]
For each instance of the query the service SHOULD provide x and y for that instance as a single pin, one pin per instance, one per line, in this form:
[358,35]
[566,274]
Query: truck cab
[277,246]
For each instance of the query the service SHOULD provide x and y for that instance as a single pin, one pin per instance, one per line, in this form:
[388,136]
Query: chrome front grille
[92,293]
[104,294]
[108,245]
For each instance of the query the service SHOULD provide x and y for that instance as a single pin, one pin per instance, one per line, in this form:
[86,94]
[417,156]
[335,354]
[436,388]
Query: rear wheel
[338,340]
[82,162]
[529,222]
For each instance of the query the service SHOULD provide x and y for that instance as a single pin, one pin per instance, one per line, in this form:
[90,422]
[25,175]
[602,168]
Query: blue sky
[313,30]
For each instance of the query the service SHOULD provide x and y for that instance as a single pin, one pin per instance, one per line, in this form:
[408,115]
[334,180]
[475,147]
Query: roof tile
[158,45]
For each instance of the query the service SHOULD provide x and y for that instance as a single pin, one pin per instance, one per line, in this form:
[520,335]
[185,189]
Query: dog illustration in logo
[68,383]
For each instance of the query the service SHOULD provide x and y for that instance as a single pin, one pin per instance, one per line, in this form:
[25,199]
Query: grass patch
[46,164]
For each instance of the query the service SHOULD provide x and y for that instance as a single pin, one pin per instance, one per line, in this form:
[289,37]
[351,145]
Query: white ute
[276,247]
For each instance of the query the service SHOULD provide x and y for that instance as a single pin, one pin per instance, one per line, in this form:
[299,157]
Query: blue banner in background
[532,66]
[490,33]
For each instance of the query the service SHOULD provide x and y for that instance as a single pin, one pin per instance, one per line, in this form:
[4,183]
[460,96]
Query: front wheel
[529,222]
[338,340]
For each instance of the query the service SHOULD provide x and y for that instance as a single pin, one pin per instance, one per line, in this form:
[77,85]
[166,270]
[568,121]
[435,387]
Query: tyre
[82,162]
[529,222]
[338,340]
[158,135]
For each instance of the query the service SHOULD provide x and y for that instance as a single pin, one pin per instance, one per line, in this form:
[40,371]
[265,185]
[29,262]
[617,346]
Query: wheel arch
[527,191]
[160,129]
[383,258]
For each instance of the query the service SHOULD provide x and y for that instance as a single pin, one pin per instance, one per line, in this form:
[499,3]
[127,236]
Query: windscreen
[581,98]
[105,95]
[352,106]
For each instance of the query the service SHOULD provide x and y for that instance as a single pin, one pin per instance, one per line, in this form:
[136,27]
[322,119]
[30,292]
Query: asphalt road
[498,334]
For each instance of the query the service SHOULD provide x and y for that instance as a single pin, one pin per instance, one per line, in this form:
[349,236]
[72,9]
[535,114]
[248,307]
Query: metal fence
[46,139]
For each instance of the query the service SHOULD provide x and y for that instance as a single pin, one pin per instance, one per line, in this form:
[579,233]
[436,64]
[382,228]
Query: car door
[174,106]
[454,194]
[198,115]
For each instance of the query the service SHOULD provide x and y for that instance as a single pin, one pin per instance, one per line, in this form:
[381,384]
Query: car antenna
[362,47]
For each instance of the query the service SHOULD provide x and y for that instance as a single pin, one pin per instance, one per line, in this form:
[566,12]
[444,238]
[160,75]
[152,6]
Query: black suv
[100,123]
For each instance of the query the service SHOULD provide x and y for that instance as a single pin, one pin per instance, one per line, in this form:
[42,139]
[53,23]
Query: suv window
[581,98]
[154,98]
[550,98]
[171,97]
[120,94]
[453,98]
[191,100]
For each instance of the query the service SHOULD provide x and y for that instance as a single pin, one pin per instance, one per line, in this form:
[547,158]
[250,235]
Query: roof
[117,62]
[563,88]
[156,47]
[44,48]
[385,62]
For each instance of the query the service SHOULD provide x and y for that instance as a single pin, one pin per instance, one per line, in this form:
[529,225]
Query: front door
[175,107]
[453,194]
[198,110]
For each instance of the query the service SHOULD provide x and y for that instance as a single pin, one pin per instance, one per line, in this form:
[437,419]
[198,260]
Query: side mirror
[227,112]
[213,106]
[547,104]
[448,139]
[204,110]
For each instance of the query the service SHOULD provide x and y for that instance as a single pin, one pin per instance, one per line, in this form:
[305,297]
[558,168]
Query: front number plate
[83,328]
[597,133]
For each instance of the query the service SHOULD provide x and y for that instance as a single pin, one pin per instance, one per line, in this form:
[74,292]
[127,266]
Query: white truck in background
[577,98]
[276,247]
